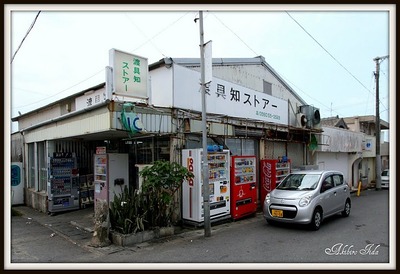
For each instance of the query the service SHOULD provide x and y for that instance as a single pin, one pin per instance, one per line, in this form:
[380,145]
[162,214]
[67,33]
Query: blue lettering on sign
[15,175]
[134,124]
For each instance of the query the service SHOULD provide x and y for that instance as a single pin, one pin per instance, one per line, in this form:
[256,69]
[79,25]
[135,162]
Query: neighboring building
[348,144]
[17,147]
[366,124]
[334,122]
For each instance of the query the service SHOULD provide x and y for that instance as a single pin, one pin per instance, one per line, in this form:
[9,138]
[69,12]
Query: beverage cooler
[219,185]
[111,175]
[272,172]
[63,183]
[243,186]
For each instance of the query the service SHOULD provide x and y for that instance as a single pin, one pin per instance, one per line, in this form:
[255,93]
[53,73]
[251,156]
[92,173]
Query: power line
[329,53]
[149,40]
[154,36]
[235,35]
[23,106]
[30,28]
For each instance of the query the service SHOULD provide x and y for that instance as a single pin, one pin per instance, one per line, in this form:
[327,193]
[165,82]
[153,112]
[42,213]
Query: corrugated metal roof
[258,60]
[96,87]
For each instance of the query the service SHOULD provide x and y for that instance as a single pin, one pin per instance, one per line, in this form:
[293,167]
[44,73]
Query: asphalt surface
[41,241]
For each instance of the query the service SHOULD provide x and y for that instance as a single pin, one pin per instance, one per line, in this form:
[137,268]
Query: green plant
[126,212]
[160,183]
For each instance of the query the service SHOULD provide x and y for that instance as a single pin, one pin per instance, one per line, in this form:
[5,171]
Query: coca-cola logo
[267,171]
[190,167]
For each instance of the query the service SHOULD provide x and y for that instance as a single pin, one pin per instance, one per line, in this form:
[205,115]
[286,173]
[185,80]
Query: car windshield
[385,173]
[299,182]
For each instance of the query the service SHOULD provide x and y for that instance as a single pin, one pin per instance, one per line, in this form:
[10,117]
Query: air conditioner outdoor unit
[301,120]
[312,115]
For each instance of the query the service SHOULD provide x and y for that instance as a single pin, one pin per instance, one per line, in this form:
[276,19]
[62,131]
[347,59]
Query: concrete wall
[36,200]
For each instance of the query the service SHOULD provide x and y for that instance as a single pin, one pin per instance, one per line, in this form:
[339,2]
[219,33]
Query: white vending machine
[219,185]
[111,175]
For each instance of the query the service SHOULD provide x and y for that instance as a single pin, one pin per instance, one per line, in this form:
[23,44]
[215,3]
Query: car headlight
[268,198]
[305,201]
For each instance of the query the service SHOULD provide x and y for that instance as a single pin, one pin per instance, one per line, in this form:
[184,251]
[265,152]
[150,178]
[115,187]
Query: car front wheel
[316,219]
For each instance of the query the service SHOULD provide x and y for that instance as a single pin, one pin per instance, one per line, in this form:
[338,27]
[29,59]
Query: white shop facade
[251,110]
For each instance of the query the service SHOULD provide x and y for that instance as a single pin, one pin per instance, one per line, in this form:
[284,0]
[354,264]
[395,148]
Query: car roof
[316,172]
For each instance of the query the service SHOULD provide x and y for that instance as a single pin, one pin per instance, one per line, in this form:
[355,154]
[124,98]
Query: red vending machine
[272,172]
[243,186]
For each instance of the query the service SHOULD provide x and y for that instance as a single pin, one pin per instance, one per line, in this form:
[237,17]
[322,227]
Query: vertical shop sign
[129,73]
[208,62]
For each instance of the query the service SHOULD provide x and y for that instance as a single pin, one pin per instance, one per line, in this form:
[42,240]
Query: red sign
[100,150]
[191,169]
[267,170]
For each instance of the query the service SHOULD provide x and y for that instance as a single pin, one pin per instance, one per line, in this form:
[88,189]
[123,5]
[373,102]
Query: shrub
[161,181]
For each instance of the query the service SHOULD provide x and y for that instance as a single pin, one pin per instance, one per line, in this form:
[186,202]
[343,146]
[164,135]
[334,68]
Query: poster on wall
[129,74]
[17,186]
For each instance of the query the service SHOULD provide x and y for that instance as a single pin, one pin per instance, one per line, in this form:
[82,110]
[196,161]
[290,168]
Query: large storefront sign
[226,98]
[129,74]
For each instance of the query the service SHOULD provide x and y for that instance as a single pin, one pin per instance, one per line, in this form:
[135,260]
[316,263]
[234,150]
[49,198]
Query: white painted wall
[161,87]
[335,161]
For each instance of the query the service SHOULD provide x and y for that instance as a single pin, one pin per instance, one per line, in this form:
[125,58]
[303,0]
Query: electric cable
[328,52]
[157,34]
[23,106]
[149,40]
[235,35]
[23,39]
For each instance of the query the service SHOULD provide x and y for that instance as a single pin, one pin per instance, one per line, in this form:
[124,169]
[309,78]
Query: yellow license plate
[277,213]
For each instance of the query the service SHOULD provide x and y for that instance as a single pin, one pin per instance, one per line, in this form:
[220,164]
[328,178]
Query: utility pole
[206,189]
[378,164]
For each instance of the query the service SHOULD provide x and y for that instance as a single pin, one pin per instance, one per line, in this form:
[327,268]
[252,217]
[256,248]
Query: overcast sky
[324,52]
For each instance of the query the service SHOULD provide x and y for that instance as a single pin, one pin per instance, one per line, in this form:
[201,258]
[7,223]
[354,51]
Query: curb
[90,230]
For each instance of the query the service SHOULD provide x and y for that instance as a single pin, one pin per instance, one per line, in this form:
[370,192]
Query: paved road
[363,237]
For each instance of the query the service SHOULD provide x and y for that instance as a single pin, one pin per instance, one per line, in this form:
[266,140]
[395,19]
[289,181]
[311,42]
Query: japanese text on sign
[129,74]
[223,97]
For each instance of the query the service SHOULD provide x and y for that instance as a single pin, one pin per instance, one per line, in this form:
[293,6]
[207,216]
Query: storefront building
[250,111]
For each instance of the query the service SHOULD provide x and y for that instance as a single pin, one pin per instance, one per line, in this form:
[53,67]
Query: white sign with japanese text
[226,98]
[130,74]
[90,99]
